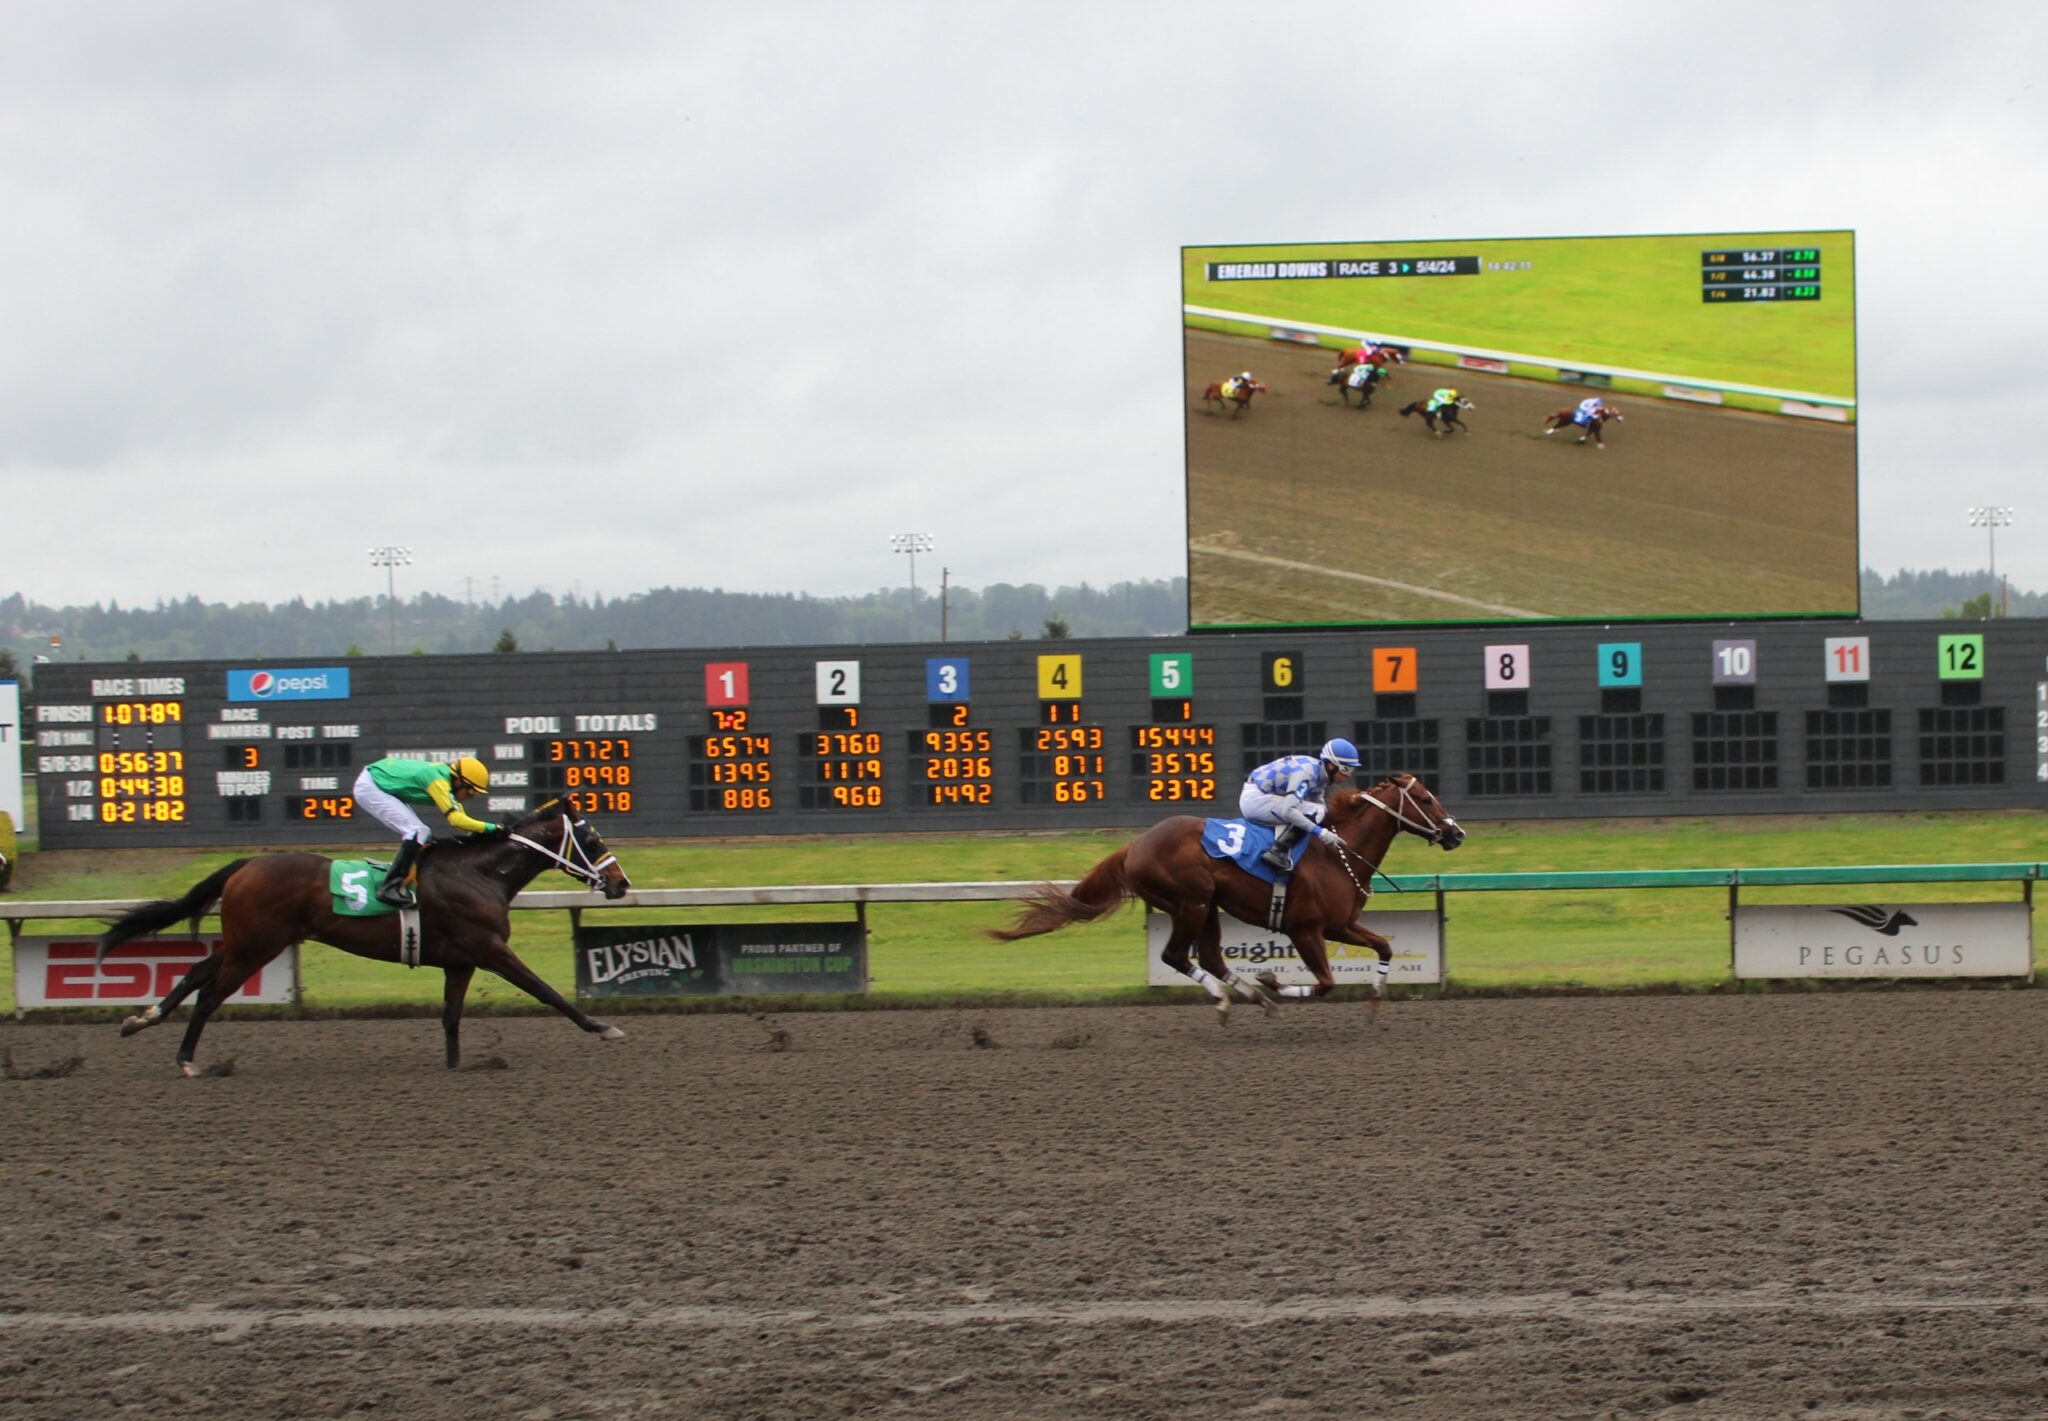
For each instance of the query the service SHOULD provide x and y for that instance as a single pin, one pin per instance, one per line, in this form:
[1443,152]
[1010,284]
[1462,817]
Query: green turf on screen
[1631,302]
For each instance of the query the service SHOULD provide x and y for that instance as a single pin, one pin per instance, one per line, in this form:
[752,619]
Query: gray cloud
[636,295]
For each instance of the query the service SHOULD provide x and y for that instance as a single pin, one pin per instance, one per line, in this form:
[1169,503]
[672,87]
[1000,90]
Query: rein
[581,867]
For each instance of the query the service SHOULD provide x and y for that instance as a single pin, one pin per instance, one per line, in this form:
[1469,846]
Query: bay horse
[1364,378]
[1569,415]
[1167,868]
[1448,414]
[1239,395]
[466,886]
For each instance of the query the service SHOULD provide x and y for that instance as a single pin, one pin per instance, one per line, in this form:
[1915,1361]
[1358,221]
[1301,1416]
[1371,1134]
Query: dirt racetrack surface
[1823,1205]
[1304,510]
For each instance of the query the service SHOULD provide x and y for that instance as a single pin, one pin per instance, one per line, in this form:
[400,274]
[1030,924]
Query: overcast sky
[608,297]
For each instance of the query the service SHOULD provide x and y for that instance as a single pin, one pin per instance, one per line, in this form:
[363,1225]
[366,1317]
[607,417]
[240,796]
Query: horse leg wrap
[1245,989]
[1207,983]
[1379,978]
[1295,994]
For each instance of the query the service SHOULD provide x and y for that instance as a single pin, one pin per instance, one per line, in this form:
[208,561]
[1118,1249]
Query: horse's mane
[526,821]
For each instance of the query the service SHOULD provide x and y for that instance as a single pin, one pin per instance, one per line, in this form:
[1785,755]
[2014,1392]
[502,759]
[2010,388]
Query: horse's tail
[1101,892]
[1408,409]
[166,911]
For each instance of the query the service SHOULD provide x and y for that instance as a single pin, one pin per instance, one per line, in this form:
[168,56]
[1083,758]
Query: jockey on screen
[388,789]
[1236,383]
[1442,399]
[1589,410]
[1288,793]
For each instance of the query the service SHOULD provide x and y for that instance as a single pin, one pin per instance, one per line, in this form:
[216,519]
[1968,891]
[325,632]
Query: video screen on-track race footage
[1552,428]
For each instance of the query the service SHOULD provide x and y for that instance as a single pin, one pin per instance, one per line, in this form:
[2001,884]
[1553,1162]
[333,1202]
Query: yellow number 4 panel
[1059,678]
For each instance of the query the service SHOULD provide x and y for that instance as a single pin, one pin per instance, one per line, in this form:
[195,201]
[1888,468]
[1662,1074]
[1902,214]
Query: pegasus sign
[1885,940]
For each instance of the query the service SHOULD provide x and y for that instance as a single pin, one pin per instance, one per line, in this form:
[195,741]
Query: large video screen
[1550,428]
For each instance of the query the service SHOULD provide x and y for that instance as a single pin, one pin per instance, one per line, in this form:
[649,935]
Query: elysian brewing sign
[1885,940]
[707,959]
[1417,939]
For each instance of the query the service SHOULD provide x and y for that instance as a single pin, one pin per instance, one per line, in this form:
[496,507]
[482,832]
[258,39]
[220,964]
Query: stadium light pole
[391,559]
[1991,518]
[912,544]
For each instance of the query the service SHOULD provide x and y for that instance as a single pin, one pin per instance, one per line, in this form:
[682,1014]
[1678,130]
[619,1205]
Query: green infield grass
[1630,302]
[922,953]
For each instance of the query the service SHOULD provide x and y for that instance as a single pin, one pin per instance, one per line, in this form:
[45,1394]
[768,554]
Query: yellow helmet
[470,771]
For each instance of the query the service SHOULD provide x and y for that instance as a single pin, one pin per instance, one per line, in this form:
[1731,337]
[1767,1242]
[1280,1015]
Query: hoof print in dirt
[778,1035]
[55,1071]
[1072,1041]
[224,1067]
[978,1037]
[488,1063]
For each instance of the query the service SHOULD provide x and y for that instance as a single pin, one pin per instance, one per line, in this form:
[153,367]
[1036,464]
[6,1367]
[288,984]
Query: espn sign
[59,972]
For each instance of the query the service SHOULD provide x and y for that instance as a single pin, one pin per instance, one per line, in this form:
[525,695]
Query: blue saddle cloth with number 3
[1242,841]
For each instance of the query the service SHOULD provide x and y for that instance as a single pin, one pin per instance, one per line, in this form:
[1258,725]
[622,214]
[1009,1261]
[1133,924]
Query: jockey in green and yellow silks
[388,789]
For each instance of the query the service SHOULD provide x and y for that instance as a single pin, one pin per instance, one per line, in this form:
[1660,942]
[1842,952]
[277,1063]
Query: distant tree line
[430,624]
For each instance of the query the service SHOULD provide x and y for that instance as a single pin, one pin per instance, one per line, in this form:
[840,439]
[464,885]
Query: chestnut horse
[1167,867]
[465,889]
[1384,357]
[1569,416]
[1240,395]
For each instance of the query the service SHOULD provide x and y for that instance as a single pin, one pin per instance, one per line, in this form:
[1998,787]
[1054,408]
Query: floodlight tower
[912,544]
[391,559]
[1991,518]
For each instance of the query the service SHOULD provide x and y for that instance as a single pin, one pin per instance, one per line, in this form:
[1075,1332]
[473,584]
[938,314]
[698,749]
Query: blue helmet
[1341,753]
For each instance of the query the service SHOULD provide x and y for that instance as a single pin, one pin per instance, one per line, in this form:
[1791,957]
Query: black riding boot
[394,890]
[1275,857]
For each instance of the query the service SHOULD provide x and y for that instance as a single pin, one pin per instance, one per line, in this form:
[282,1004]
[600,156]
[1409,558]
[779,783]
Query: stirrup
[1276,859]
[397,894]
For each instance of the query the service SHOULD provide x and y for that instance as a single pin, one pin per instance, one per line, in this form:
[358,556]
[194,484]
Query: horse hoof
[188,1070]
[611,1033]
[132,1025]
[1223,1013]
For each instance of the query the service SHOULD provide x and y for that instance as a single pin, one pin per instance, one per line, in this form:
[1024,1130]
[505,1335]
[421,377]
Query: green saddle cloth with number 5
[354,884]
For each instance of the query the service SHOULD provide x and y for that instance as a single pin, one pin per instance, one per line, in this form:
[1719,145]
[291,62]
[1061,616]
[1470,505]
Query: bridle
[578,867]
[1430,833]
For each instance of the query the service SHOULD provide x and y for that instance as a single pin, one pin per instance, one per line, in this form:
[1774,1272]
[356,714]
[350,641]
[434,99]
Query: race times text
[1760,274]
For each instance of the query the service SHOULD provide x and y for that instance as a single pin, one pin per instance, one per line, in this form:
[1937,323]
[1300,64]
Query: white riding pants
[1275,809]
[394,813]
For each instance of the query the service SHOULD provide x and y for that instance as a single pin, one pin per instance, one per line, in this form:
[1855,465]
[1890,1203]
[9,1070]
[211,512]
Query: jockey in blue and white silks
[1288,793]
[1588,410]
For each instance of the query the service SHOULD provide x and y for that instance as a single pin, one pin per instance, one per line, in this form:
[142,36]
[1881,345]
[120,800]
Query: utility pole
[943,572]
